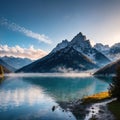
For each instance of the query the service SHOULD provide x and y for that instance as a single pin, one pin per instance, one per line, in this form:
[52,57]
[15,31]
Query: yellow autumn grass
[96,97]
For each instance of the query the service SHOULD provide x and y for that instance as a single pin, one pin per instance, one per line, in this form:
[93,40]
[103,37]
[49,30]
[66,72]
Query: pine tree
[114,89]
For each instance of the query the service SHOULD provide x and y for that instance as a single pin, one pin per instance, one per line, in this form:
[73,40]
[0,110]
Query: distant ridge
[113,52]
[17,63]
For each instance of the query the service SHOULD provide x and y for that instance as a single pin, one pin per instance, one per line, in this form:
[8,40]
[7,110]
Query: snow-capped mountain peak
[80,42]
[78,54]
[78,38]
[82,45]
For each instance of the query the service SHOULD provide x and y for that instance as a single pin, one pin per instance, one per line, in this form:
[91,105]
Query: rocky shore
[99,111]
[89,111]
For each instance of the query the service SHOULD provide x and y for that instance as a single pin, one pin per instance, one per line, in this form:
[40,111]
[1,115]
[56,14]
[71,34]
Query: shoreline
[100,111]
[91,107]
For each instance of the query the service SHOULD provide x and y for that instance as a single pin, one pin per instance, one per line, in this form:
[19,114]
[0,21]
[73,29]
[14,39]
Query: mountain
[102,48]
[82,45]
[65,60]
[6,66]
[113,52]
[78,54]
[17,63]
[108,69]
[115,49]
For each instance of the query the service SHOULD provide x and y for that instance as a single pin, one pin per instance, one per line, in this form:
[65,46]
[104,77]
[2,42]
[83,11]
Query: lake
[31,97]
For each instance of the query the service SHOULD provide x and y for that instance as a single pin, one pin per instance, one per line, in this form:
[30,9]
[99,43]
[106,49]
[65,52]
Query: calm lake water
[32,98]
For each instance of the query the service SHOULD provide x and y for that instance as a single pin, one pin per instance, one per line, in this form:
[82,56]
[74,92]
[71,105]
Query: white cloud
[26,32]
[18,51]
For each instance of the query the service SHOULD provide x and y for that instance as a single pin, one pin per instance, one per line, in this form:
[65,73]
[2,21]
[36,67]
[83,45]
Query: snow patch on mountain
[102,48]
[60,46]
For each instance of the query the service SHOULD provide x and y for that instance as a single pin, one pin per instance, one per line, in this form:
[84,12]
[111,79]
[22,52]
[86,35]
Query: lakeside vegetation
[114,91]
[1,72]
[96,97]
[114,107]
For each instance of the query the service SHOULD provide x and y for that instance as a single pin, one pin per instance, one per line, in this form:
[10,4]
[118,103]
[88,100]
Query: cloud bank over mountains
[18,51]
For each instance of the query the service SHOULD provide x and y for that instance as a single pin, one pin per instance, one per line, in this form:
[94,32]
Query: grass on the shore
[114,107]
[96,97]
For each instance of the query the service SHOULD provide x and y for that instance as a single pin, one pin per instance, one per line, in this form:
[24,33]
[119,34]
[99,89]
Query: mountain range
[113,52]
[16,62]
[7,68]
[76,55]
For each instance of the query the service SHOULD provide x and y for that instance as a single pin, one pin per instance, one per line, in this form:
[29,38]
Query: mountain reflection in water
[34,97]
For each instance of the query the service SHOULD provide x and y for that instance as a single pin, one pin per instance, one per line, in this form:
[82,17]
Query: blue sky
[41,24]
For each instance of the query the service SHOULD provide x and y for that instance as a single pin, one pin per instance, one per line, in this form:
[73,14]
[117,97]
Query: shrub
[114,89]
